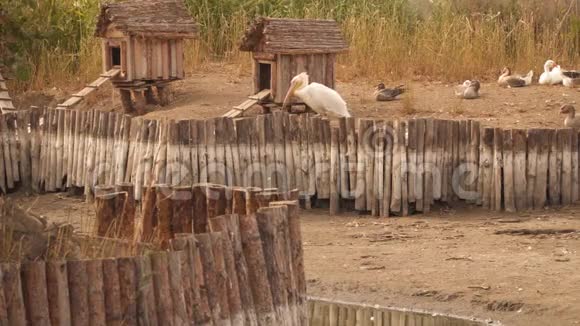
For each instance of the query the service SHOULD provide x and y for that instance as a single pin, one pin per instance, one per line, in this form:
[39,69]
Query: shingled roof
[155,18]
[293,36]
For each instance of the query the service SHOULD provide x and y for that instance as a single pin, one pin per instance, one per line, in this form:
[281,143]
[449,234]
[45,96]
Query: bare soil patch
[464,261]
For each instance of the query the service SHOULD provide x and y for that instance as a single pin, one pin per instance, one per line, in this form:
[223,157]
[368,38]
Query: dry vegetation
[51,43]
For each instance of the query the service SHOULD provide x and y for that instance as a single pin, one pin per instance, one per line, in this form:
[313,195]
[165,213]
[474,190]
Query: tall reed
[51,43]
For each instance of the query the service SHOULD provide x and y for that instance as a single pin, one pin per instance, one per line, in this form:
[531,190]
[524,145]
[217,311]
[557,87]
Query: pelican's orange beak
[290,93]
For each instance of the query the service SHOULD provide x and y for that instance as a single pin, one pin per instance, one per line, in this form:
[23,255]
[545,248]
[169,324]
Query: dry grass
[389,39]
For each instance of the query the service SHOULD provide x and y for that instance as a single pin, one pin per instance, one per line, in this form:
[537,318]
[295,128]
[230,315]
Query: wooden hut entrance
[265,79]
[115,55]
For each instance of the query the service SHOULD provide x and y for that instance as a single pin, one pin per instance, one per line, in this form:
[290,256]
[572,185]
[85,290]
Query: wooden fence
[247,269]
[385,167]
[331,313]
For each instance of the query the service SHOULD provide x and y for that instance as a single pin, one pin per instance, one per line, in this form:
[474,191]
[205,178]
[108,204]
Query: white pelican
[320,98]
[551,75]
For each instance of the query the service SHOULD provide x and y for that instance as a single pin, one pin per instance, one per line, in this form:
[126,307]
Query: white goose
[552,74]
[320,98]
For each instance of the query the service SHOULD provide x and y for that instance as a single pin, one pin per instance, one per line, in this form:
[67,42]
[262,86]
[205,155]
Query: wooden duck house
[145,40]
[282,48]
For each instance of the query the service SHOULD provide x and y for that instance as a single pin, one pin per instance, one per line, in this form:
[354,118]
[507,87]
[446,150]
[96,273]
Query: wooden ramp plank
[247,104]
[6,104]
[79,96]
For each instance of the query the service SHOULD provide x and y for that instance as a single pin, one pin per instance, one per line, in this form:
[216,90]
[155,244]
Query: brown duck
[571,121]
[388,94]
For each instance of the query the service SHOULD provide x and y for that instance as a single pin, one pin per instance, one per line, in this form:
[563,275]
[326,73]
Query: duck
[506,79]
[571,78]
[388,94]
[551,75]
[571,120]
[468,90]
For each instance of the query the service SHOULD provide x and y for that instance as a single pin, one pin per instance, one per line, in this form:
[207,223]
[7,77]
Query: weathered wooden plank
[281,168]
[411,159]
[379,163]
[519,157]
[533,144]
[508,171]
[575,167]
[541,182]
[397,178]
[555,169]
[334,172]
[486,167]
[420,165]
[473,160]
[565,139]
[497,191]
[429,164]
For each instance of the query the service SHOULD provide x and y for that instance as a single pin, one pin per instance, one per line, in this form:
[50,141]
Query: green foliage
[48,41]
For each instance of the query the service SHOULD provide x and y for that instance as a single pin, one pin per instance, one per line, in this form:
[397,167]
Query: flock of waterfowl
[326,101]
[553,74]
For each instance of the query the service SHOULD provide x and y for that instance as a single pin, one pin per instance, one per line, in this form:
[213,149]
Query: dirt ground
[219,88]
[520,269]
[449,261]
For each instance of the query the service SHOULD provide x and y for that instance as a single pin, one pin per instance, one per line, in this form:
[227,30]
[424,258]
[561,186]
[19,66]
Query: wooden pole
[223,283]
[164,302]
[109,208]
[555,168]
[182,202]
[149,214]
[342,159]
[565,138]
[127,216]
[298,297]
[473,159]
[360,189]
[78,287]
[273,226]
[411,159]
[35,293]
[508,171]
[486,166]
[164,213]
[497,191]
[220,224]
[176,289]
[420,165]
[520,182]
[11,282]
[57,292]
[203,311]
[379,166]
[429,164]
[229,224]
[112,290]
[96,294]
[146,310]
[388,168]
[334,173]
[200,211]
[254,255]
[219,308]
[540,187]
[216,200]
[575,166]
[397,178]
[128,290]
[3,304]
